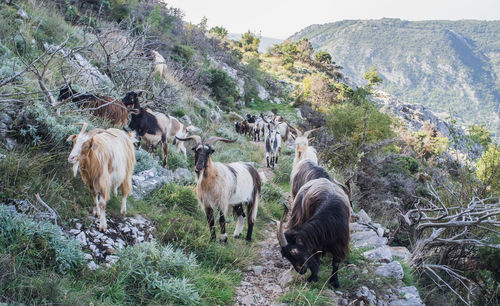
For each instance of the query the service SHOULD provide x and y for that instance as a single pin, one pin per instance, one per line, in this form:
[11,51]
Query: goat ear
[293,137]
[139,94]
[71,137]
[212,150]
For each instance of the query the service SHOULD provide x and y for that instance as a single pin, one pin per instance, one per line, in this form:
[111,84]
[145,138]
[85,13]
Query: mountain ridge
[445,65]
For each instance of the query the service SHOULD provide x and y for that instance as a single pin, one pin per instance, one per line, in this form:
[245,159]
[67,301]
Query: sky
[282,18]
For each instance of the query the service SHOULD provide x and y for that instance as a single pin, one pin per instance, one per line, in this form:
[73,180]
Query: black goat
[305,171]
[319,224]
[148,126]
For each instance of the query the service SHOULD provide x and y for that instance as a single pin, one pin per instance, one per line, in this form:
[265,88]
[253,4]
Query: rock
[215,116]
[247,300]
[364,217]
[186,119]
[22,14]
[257,270]
[10,144]
[92,265]
[380,231]
[368,294]
[262,176]
[183,175]
[392,270]
[410,297]
[400,253]
[2,157]
[342,302]
[381,254]
[285,278]
[368,239]
[263,93]
[299,114]
[82,238]
[277,100]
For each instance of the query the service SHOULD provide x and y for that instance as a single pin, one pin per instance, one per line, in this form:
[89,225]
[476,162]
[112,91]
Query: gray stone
[257,270]
[10,144]
[392,270]
[380,231]
[410,297]
[364,217]
[186,119]
[247,300]
[285,278]
[382,254]
[82,238]
[92,265]
[368,294]
[368,239]
[22,14]
[2,157]
[400,253]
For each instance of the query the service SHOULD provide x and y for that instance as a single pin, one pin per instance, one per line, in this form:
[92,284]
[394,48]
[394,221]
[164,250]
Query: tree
[488,168]
[289,53]
[203,25]
[323,57]
[219,31]
[372,77]
[480,134]
[305,50]
[250,42]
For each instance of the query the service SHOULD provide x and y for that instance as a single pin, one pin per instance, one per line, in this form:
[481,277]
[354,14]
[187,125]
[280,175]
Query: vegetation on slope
[450,66]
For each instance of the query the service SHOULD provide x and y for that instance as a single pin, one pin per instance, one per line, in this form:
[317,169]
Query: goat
[221,186]
[273,145]
[319,224]
[150,127]
[159,63]
[106,160]
[258,128]
[302,148]
[105,107]
[305,171]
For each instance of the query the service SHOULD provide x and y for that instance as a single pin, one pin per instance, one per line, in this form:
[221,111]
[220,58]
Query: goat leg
[209,212]
[334,279]
[267,158]
[222,223]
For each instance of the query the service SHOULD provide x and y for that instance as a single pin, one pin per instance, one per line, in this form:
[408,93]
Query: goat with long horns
[223,186]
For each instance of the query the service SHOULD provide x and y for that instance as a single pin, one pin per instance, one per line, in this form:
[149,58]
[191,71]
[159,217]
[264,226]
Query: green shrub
[175,196]
[179,113]
[37,245]
[154,273]
[282,174]
[183,53]
[176,159]
[144,161]
[223,87]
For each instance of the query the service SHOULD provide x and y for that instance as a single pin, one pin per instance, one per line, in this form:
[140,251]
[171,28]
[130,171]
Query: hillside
[445,65]
[88,89]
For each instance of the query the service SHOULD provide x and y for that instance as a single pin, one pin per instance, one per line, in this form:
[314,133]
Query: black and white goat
[273,145]
[224,186]
[150,127]
[319,224]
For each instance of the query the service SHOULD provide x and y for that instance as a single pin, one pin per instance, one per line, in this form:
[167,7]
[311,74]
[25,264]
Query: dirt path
[268,277]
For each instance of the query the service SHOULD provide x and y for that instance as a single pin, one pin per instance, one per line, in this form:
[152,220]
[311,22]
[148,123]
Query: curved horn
[306,134]
[299,133]
[84,126]
[262,116]
[195,138]
[281,235]
[210,141]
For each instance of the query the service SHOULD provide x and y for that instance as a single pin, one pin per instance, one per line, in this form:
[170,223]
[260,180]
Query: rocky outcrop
[146,181]
[102,248]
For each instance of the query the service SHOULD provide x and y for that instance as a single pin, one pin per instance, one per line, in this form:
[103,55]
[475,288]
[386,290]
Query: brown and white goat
[105,107]
[319,224]
[224,186]
[302,148]
[106,160]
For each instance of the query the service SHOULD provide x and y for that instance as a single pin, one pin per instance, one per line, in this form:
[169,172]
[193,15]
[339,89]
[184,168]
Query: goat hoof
[312,279]
[223,240]
[123,212]
[334,283]
[237,236]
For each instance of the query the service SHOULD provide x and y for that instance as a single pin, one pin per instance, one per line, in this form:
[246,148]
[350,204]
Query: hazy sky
[282,18]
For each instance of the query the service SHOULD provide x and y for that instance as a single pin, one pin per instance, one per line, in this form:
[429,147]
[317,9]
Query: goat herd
[320,212]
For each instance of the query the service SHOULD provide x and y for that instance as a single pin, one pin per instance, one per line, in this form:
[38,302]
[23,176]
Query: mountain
[265,42]
[445,65]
